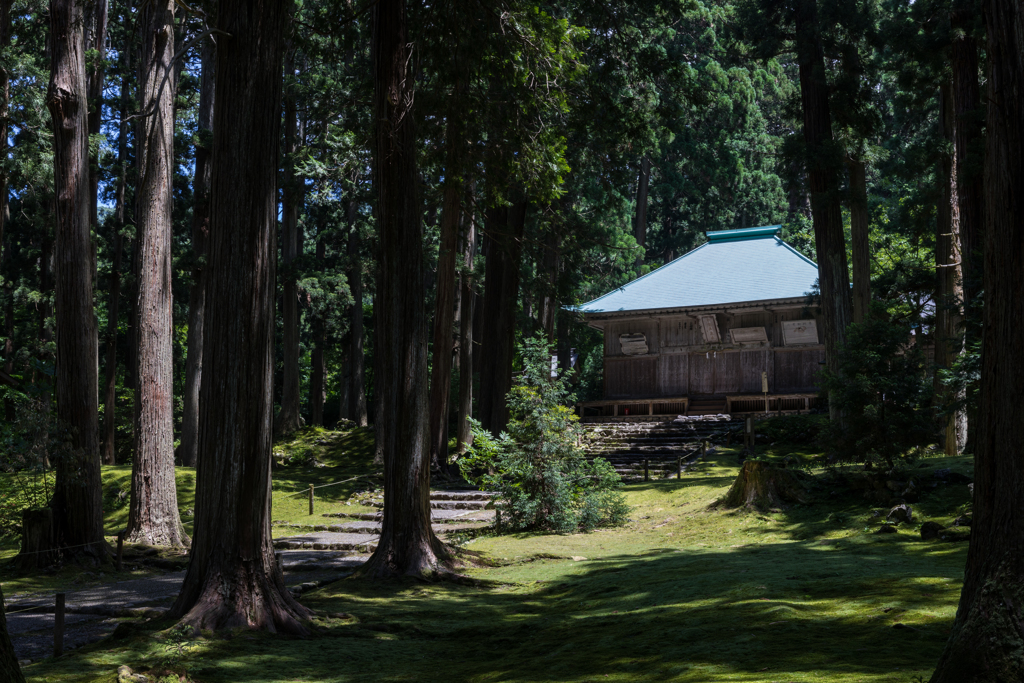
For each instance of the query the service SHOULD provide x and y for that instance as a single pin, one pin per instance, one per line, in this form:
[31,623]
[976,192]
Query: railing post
[58,626]
[647,475]
[310,499]
[679,468]
[120,549]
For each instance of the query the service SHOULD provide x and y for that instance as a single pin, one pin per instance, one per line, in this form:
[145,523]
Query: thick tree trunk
[407,544]
[290,417]
[153,513]
[316,372]
[859,240]
[10,670]
[444,309]
[948,335]
[823,178]
[109,434]
[987,640]
[95,39]
[967,137]
[501,299]
[968,174]
[78,512]
[233,579]
[5,256]
[357,361]
[640,225]
[200,235]
[466,351]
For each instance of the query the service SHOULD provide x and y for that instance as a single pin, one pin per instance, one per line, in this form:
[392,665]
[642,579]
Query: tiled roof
[751,264]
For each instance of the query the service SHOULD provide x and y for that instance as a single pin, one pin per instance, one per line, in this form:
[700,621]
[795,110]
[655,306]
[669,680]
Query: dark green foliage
[537,466]
[884,394]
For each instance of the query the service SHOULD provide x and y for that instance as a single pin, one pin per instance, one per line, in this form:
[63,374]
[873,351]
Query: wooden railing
[671,406]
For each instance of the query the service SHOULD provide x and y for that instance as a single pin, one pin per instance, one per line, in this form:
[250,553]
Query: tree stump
[760,486]
[37,548]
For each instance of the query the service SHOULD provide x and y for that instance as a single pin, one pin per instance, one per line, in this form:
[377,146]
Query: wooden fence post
[310,499]
[647,475]
[120,549]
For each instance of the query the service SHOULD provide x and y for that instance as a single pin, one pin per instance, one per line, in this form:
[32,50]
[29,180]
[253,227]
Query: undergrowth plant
[538,468]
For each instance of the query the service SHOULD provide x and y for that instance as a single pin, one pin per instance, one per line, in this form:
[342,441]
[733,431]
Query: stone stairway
[357,532]
[626,445]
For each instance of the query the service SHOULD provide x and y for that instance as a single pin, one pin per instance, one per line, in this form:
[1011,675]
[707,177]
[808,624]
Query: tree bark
[5,256]
[501,299]
[466,351]
[200,234]
[987,640]
[948,335]
[859,240]
[407,544]
[444,309]
[78,513]
[153,512]
[290,417]
[357,361]
[640,227]
[10,670]
[233,579]
[95,40]
[968,173]
[109,434]
[968,136]
[823,178]
[316,373]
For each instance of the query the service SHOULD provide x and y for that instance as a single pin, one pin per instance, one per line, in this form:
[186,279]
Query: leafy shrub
[883,394]
[537,466]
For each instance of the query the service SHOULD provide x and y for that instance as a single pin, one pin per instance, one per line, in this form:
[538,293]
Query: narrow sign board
[709,329]
[748,335]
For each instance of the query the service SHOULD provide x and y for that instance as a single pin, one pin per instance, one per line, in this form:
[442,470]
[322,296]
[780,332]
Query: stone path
[450,511]
[325,553]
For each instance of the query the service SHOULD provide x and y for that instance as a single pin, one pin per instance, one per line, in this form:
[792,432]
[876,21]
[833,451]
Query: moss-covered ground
[681,593]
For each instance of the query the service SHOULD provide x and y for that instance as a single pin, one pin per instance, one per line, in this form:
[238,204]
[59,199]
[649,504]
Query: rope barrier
[305,491]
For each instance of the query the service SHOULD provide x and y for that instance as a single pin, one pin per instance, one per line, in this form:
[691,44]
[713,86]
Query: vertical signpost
[764,388]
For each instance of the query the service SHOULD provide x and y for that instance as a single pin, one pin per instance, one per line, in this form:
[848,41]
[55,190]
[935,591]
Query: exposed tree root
[250,600]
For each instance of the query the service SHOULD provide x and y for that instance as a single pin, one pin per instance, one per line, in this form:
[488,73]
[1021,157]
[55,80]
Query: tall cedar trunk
[859,240]
[233,579]
[109,434]
[5,256]
[640,227]
[466,351]
[987,640]
[501,292]
[153,513]
[316,372]
[357,362]
[967,139]
[968,173]
[407,544]
[289,419]
[551,263]
[10,670]
[823,179]
[444,309]
[948,292]
[200,235]
[76,502]
[95,40]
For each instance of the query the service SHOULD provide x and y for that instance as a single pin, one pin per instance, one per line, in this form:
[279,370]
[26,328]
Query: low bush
[537,466]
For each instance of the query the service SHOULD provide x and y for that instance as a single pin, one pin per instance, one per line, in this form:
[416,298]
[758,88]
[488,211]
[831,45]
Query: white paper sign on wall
[634,344]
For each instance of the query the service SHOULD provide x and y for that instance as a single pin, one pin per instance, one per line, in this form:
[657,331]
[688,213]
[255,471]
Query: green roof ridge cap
[742,233]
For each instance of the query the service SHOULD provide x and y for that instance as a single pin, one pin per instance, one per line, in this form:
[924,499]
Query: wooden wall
[679,364]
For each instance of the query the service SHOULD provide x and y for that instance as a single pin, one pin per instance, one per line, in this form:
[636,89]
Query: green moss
[681,593]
